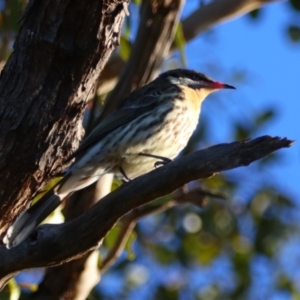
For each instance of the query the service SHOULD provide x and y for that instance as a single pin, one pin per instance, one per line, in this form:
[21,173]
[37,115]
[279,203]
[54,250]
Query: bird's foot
[161,162]
[125,177]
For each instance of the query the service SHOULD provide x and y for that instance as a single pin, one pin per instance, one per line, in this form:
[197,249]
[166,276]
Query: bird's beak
[220,85]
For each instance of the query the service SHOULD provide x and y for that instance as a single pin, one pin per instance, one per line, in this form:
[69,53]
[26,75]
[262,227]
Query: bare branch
[216,12]
[196,196]
[199,21]
[127,226]
[46,246]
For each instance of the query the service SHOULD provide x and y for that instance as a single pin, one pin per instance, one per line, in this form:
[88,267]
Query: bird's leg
[124,174]
[162,160]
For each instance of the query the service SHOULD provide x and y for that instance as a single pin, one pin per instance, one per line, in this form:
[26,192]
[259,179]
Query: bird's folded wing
[138,103]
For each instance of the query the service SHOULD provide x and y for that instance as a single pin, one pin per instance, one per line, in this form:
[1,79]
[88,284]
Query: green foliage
[113,235]
[125,48]
[294,33]
[295,4]
[254,14]
[11,291]
[166,293]
[9,25]
[247,130]
[180,44]
[293,30]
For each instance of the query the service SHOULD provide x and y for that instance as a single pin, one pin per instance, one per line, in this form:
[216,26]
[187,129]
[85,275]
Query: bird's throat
[194,97]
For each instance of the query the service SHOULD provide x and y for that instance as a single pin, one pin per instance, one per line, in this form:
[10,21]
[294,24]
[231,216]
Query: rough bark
[47,245]
[58,55]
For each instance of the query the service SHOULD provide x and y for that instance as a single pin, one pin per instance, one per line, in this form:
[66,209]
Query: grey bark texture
[47,246]
[58,55]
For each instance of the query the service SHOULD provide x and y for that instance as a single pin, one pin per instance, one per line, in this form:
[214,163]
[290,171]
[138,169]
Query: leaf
[129,246]
[219,182]
[164,255]
[242,132]
[115,184]
[285,201]
[241,264]
[125,48]
[295,4]
[202,247]
[11,291]
[294,33]
[47,188]
[113,235]
[255,14]
[266,116]
[167,294]
[283,282]
[14,9]
[180,44]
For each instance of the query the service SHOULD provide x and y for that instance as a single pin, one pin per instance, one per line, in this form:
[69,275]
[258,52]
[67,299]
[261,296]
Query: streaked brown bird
[151,126]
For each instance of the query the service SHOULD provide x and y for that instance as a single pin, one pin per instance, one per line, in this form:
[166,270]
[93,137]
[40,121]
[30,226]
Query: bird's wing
[125,114]
[151,94]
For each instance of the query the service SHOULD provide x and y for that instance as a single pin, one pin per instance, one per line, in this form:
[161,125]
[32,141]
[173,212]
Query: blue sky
[260,49]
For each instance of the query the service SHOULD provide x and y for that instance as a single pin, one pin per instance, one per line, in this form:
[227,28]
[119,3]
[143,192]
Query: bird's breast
[169,133]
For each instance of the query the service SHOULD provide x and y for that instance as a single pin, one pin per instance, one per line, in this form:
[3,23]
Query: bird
[148,130]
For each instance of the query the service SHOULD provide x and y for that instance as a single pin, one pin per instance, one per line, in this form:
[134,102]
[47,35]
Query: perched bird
[151,126]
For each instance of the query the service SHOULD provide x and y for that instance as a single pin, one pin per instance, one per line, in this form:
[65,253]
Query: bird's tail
[29,219]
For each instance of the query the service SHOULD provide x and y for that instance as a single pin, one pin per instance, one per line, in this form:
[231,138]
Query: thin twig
[128,225]
[196,197]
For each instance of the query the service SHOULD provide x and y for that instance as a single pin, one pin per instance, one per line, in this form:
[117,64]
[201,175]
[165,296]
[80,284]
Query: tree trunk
[58,55]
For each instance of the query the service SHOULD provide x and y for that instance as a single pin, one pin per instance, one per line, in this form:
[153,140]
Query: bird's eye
[196,77]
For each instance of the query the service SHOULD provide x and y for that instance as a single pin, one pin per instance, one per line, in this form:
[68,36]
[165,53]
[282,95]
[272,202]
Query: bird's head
[194,80]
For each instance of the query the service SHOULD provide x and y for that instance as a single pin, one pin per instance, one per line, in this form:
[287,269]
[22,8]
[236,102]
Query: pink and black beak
[220,85]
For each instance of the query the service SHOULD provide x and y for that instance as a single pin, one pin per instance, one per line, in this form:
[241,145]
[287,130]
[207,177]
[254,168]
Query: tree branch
[128,225]
[196,197]
[47,245]
[216,12]
[196,23]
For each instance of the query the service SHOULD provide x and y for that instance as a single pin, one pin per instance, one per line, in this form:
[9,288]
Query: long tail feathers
[29,219]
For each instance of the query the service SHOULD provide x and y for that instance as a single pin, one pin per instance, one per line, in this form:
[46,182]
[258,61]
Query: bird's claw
[163,162]
[125,177]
